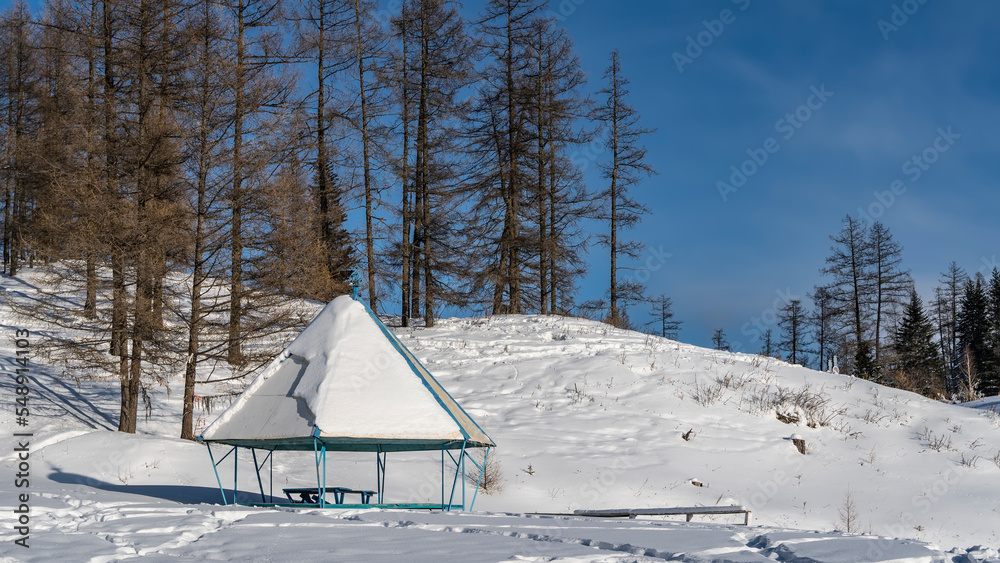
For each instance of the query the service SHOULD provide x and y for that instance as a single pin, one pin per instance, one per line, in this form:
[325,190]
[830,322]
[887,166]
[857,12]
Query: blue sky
[897,76]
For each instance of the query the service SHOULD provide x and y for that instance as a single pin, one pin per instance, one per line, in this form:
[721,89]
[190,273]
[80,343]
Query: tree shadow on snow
[59,395]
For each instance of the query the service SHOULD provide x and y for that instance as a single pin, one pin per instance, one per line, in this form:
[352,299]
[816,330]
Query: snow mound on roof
[358,384]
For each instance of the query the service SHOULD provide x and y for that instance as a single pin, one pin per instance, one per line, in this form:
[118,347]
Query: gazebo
[347,384]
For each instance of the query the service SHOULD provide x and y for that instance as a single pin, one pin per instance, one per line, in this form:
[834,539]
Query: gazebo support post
[482,470]
[215,467]
[236,471]
[458,469]
[379,473]
[447,506]
[319,483]
[257,471]
[319,452]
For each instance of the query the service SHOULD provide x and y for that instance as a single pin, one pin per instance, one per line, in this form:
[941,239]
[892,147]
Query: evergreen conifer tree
[973,328]
[918,361]
[991,378]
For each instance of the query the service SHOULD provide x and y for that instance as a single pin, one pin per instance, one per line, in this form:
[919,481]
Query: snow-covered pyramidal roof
[348,381]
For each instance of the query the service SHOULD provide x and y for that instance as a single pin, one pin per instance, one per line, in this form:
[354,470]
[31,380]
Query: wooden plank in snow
[688,511]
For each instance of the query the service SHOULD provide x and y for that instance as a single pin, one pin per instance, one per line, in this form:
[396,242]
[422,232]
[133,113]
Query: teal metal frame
[319,456]
[215,467]
[380,458]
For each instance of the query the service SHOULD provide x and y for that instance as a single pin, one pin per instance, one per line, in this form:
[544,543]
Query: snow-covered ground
[585,417]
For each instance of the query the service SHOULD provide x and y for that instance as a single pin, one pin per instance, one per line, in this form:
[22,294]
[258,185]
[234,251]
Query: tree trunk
[130,407]
[90,302]
[234,353]
[553,280]
[201,211]
[428,248]
[156,293]
[366,159]
[194,329]
[513,232]
[6,220]
[423,173]
[119,300]
[15,238]
[540,192]
[129,404]
[613,191]
[420,169]
[407,246]
[119,304]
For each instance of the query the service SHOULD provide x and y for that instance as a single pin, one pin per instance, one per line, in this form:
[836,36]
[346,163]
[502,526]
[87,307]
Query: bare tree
[149,160]
[559,196]
[369,44]
[208,78]
[968,388]
[502,135]
[850,266]
[664,317]
[625,169]
[769,348]
[401,27]
[255,43]
[825,329]
[325,32]
[891,284]
[792,320]
[432,66]
[848,513]
[19,105]
[947,300]
[719,340]
[123,170]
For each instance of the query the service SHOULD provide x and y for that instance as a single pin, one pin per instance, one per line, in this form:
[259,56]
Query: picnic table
[310,495]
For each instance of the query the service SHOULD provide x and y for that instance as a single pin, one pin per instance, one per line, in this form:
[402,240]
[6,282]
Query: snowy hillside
[585,416]
[600,415]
